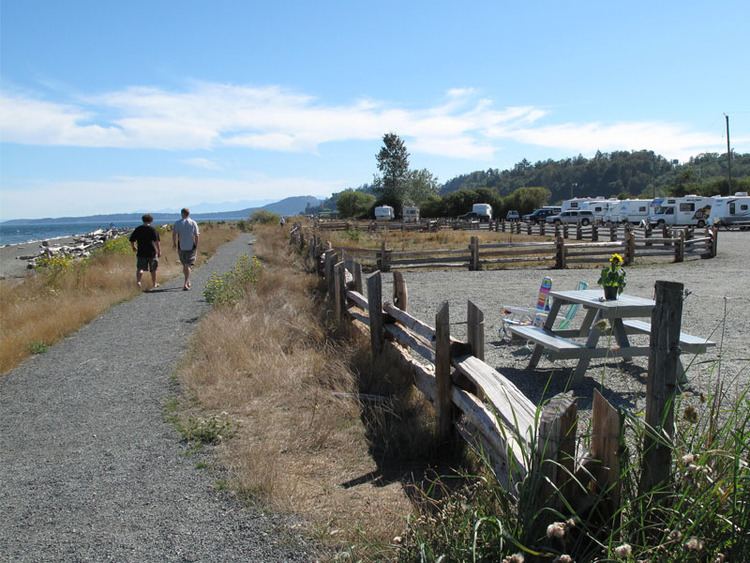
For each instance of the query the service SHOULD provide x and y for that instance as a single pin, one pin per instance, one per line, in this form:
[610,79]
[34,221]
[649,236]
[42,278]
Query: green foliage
[613,275]
[244,226]
[211,430]
[356,204]
[231,287]
[118,245]
[393,164]
[38,347]
[264,217]
[353,235]
[420,186]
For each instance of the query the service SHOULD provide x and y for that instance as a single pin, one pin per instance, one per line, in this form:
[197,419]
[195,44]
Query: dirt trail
[89,468]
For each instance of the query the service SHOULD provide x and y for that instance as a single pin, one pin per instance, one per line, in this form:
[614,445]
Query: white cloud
[143,193]
[211,116]
[203,163]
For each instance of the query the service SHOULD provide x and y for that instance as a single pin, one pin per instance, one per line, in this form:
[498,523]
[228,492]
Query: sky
[112,107]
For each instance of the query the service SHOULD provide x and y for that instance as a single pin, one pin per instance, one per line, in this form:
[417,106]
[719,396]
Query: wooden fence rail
[558,253]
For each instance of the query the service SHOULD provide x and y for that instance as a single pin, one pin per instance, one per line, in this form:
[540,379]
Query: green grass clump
[231,287]
[210,430]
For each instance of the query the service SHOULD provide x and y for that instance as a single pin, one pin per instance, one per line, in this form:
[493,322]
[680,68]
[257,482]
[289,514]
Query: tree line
[527,186]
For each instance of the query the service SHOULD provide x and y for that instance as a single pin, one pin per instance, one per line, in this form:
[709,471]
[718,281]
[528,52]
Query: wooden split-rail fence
[562,252]
[476,402]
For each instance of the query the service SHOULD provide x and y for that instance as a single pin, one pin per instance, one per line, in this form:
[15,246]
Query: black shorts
[143,263]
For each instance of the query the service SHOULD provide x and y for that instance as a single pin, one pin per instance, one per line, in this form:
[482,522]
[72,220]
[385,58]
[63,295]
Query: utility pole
[729,159]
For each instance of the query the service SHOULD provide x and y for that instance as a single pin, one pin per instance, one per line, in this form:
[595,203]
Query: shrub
[118,245]
[264,217]
[229,288]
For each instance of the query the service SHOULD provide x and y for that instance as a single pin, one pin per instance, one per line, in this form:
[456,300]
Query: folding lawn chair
[536,315]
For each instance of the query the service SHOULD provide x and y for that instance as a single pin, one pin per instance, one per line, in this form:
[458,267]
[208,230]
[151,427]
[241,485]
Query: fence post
[565,230]
[443,404]
[661,386]
[679,248]
[556,450]
[714,240]
[606,448]
[357,273]
[474,249]
[560,262]
[612,233]
[629,246]
[375,311]
[528,228]
[339,292]
[579,232]
[594,233]
[647,234]
[330,261]
[475,330]
[400,293]
[665,233]
[502,225]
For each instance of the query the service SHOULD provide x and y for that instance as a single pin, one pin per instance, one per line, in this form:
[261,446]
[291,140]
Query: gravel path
[90,471]
[709,281]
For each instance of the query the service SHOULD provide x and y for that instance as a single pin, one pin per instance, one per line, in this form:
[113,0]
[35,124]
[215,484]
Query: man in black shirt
[148,251]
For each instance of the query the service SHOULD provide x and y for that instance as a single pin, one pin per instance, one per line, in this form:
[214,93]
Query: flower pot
[610,292]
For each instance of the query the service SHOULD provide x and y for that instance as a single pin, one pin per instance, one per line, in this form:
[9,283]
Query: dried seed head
[694,544]
[564,558]
[624,550]
[556,530]
[675,535]
[687,459]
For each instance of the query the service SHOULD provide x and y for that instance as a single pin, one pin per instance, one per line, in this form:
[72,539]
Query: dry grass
[301,444]
[415,240]
[47,306]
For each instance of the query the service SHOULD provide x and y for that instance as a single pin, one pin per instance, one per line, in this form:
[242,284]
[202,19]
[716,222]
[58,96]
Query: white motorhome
[628,211]
[483,211]
[410,214]
[729,211]
[384,213]
[687,210]
[599,206]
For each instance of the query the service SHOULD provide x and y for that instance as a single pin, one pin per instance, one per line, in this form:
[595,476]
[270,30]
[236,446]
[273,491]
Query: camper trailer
[384,213]
[687,210]
[599,206]
[628,211]
[731,211]
[410,214]
[483,211]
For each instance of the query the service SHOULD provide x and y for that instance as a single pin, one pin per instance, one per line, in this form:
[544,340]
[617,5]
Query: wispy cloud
[204,163]
[117,195]
[211,116]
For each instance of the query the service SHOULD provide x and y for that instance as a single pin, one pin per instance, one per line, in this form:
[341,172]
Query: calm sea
[16,234]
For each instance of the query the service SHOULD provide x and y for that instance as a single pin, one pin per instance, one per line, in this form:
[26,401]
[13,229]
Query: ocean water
[17,234]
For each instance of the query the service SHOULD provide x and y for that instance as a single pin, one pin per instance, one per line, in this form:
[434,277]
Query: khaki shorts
[145,264]
[187,257]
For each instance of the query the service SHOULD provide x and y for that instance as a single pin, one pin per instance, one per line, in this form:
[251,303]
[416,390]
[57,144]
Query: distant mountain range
[289,206]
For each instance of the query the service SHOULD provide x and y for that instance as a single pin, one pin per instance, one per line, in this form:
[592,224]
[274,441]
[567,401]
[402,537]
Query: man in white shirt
[185,236]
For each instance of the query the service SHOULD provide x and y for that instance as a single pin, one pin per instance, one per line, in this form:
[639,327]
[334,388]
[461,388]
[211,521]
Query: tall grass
[703,514]
[64,294]
[305,443]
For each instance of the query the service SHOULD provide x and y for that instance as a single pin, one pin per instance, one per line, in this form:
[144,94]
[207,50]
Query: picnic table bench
[620,313]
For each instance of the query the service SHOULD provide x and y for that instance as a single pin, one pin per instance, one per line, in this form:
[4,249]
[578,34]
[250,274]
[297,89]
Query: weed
[118,245]
[210,430]
[201,465]
[230,288]
[38,347]
[221,485]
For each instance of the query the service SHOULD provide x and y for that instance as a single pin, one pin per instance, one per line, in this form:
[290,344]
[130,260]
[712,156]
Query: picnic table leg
[622,338]
[591,342]
[588,320]
[536,355]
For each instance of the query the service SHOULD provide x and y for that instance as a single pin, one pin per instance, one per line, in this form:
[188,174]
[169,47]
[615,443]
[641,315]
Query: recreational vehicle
[628,211]
[687,210]
[731,211]
[384,213]
[597,205]
[483,211]
[410,214]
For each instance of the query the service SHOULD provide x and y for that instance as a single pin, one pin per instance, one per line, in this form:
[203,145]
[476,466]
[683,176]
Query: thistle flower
[556,530]
[624,550]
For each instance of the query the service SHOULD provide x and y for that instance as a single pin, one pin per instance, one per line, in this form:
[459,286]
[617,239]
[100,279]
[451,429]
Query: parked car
[470,216]
[512,215]
[584,217]
[539,215]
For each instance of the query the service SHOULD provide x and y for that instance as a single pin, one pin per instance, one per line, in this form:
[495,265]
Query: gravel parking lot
[717,306]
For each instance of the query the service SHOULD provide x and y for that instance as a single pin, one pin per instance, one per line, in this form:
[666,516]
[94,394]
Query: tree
[420,185]
[351,203]
[393,164]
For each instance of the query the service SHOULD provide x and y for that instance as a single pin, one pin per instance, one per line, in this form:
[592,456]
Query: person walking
[185,236]
[144,241]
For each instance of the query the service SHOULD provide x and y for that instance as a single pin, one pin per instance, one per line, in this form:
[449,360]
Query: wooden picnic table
[561,344]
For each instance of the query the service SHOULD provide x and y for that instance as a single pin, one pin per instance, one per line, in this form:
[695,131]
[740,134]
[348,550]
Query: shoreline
[10,264]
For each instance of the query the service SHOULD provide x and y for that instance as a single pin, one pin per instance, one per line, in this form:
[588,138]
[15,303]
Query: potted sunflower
[613,277]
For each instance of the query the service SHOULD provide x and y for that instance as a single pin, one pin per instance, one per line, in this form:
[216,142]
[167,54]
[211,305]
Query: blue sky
[109,106]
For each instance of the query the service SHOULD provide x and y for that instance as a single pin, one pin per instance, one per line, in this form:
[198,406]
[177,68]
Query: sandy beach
[12,267]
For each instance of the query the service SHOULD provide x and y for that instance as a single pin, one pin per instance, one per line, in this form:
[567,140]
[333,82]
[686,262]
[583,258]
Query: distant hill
[289,206]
